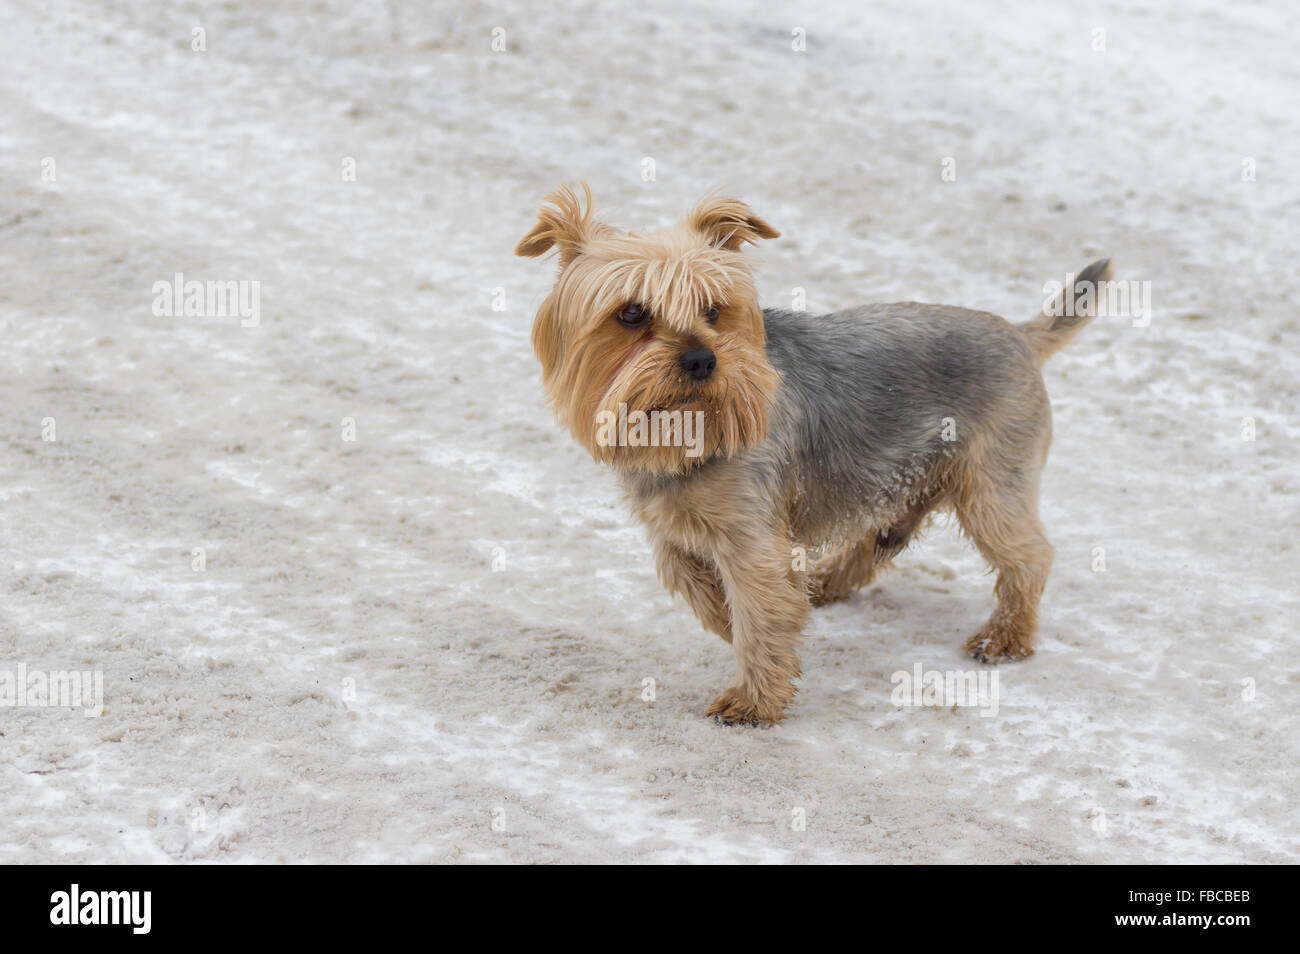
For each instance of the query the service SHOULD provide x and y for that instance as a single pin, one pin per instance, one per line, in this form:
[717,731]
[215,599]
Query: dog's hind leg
[838,575]
[1001,517]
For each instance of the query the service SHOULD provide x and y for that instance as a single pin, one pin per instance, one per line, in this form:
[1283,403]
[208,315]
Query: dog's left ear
[729,223]
[565,224]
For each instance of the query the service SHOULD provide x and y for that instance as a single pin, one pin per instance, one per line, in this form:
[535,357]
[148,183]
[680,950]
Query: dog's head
[645,337]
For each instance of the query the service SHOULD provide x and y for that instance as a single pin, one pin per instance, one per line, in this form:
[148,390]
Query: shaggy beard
[734,408]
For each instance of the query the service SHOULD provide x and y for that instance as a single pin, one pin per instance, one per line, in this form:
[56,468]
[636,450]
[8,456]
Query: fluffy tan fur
[719,540]
[591,364]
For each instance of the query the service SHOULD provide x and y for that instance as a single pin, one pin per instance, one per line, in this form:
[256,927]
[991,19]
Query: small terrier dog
[827,435]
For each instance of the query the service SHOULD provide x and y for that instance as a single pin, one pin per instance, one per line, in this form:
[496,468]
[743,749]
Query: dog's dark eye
[711,313]
[633,316]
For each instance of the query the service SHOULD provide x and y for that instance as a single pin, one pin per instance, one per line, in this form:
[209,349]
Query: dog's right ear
[564,224]
[729,223]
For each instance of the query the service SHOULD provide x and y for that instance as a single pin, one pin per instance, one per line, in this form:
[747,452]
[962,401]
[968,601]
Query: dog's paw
[822,593]
[736,707]
[993,644]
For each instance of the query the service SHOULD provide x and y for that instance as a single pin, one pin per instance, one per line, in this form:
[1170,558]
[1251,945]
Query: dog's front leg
[686,574]
[769,607]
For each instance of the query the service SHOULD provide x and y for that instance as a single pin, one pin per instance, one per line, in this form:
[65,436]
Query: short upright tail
[1069,311]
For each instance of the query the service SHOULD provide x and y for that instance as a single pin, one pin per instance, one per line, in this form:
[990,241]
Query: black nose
[699,363]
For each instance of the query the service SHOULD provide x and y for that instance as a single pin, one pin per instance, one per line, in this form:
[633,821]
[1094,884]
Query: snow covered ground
[429,643]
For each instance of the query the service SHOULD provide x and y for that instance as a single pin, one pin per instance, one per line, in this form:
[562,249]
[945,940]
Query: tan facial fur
[592,363]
